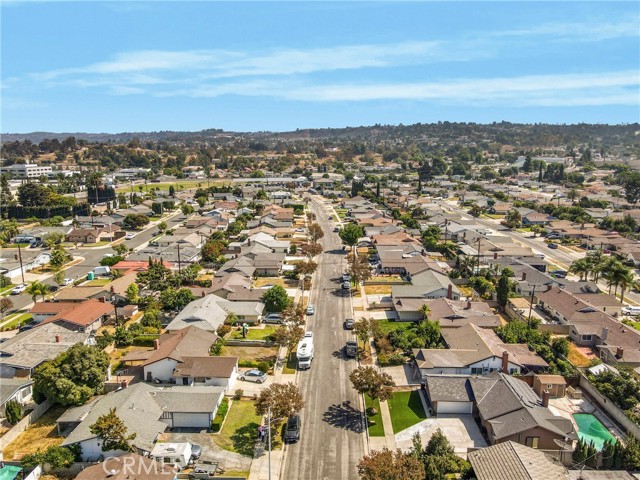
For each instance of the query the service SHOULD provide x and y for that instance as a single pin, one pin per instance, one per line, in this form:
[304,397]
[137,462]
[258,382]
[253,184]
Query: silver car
[257,376]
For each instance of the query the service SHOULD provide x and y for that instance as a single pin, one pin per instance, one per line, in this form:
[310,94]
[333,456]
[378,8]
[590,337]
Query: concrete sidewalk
[260,464]
[389,437]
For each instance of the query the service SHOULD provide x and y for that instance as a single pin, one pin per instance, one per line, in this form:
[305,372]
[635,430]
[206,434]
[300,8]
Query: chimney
[102,299]
[549,287]
[604,335]
[123,384]
[619,352]
[468,304]
[450,291]
[203,294]
[58,338]
[524,276]
[505,361]
[546,394]
[495,255]
[156,344]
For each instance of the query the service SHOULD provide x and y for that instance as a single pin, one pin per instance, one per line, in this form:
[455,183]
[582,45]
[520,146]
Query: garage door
[191,420]
[455,407]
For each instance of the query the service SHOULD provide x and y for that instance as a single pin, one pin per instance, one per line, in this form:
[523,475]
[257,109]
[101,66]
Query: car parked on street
[558,273]
[67,281]
[257,376]
[129,236]
[349,323]
[552,246]
[311,309]
[18,289]
[292,430]
[346,286]
[272,318]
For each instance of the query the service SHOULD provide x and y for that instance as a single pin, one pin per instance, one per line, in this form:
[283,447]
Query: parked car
[154,244]
[26,327]
[552,246]
[257,376]
[351,348]
[346,286]
[349,323]
[292,431]
[129,236]
[272,318]
[336,229]
[18,289]
[558,273]
[346,277]
[633,311]
[311,309]
[67,281]
[196,451]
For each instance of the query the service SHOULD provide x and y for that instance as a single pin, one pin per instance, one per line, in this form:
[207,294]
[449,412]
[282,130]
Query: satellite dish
[562,444]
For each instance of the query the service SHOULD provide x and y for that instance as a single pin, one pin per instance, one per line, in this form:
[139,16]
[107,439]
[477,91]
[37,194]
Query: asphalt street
[331,441]
[92,257]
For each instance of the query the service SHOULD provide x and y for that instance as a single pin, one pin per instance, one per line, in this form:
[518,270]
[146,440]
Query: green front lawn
[387,326]
[374,422]
[17,321]
[240,429]
[98,282]
[292,364]
[6,290]
[406,410]
[254,333]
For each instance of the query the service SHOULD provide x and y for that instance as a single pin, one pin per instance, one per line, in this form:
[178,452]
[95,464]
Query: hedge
[216,425]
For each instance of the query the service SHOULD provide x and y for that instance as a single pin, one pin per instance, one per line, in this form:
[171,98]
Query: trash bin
[91,276]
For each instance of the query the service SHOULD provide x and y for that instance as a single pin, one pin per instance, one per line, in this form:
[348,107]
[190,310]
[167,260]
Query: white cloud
[579,31]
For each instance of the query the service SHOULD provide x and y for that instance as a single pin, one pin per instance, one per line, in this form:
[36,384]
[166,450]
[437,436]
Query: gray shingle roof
[512,461]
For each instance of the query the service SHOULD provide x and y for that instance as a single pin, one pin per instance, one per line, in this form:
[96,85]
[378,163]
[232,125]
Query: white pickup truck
[305,351]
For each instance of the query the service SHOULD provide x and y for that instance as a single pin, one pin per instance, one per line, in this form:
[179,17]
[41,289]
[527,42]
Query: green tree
[187,209]
[58,257]
[363,329]
[282,399]
[315,233]
[73,376]
[631,182]
[388,465]
[373,382]
[58,277]
[275,299]
[6,197]
[122,337]
[581,267]
[34,195]
[288,336]
[56,457]
[162,226]
[53,239]
[132,293]
[36,288]
[350,234]
[135,220]
[503,289]
[6,304]
[438,457]
[13,411]
[113,432]
[121,249]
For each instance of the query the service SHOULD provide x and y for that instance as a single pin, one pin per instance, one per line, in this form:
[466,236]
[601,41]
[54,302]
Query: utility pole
[533,291]
[20,259]
[269,433]
[478,268]
[179,268]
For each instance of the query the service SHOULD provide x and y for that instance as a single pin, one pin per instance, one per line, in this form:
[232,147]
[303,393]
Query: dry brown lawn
[263,281]
[39,436]
[377,289]
[250,353]
[576,357]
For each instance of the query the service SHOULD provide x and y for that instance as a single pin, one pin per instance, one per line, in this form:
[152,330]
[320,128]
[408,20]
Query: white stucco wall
[162,369]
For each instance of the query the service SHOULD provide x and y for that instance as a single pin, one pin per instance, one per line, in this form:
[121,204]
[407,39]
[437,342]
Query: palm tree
[614,273]
[582,268]
[627,281]
[37,288]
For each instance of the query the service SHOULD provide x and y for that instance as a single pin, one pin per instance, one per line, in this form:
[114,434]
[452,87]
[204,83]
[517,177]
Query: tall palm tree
[582,268]
[37,288]
[613,274]
[627,281]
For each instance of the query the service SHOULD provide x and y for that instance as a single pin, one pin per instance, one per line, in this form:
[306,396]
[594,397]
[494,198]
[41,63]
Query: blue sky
[145,66]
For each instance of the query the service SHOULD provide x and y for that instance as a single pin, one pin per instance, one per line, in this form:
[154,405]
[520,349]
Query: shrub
[57,457]
[238,394]
[264,366]
[223,330]
[216,425]
[144,340]
[216,348]
[13,411]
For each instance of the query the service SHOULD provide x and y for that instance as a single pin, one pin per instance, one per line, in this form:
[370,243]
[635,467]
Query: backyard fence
[608,406]
[23,424]
[250,343]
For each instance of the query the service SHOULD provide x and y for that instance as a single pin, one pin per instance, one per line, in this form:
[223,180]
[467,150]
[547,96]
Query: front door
[185,381]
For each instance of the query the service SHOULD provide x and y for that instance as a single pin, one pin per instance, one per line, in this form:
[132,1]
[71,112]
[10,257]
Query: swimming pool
[590,429]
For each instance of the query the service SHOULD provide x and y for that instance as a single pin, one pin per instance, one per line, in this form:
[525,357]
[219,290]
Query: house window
[549,387]
[476,371]
[199,380]
[586,338]
[513,371]
[167,460]
[532,442]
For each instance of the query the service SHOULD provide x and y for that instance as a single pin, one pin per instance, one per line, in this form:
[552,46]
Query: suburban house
[429,285]
[209,312]
[507,409]
[128,467]
[10,262]
[94,235]
[476,351]
[456,313]
[146,410]
[17,389]
[536,218]
[590,326]
[39,234]
[514,461]
[21,354]
[85,316]
[215,371]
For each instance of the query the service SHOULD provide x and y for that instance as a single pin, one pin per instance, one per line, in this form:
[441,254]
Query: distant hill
[499,132]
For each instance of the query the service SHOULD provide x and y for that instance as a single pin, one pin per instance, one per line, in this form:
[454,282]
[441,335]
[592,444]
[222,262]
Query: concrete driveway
[210,451]
[461,430]
[250,388]
[403,374]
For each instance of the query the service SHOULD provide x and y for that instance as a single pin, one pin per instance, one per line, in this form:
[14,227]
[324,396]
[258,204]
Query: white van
[101,271]
[172,454]
[633,311]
